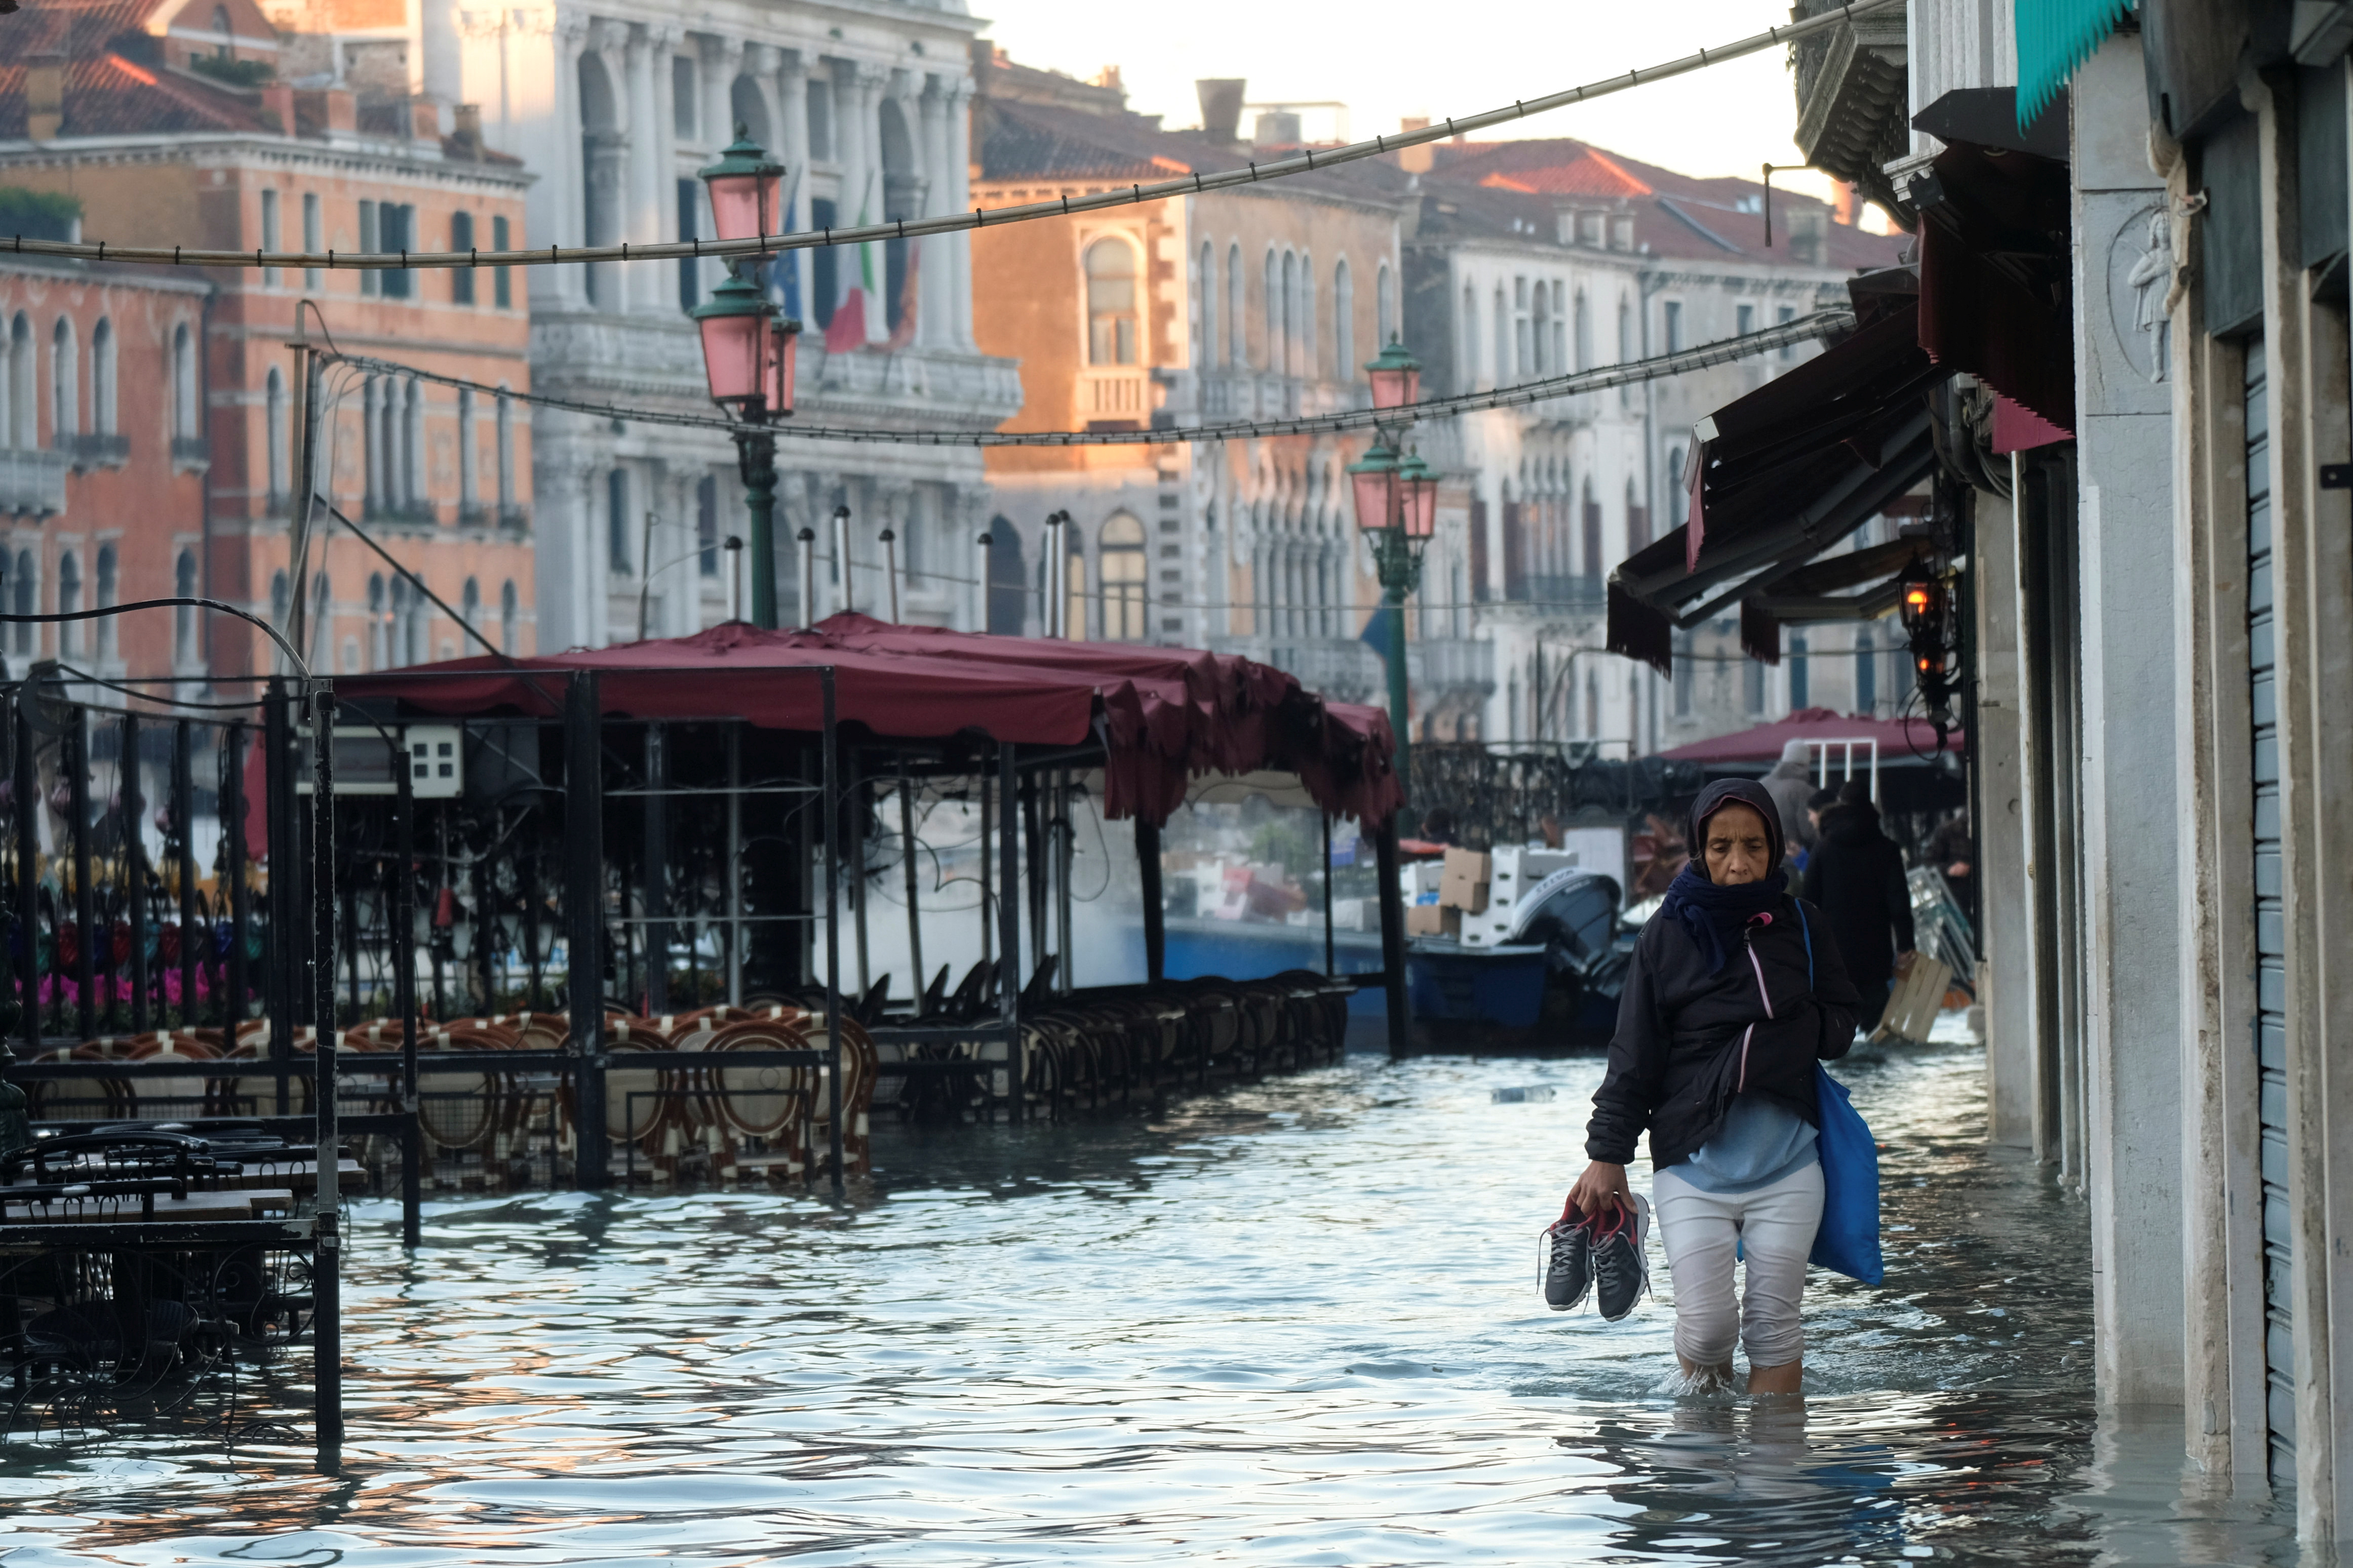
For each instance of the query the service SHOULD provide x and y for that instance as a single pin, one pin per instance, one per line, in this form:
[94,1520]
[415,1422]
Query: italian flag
[847,330]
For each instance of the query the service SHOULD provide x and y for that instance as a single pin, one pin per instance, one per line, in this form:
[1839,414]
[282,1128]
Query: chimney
[1221,106]
[278,104]
[1416,160]
[469,132]
[45,98]
[423,119]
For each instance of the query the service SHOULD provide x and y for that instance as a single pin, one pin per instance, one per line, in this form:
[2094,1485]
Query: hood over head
[1733,791]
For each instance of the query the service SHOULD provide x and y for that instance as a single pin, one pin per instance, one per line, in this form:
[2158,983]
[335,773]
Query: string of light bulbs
[1725,350]
[1307,161]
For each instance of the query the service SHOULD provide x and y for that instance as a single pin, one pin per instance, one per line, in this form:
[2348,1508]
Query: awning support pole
[583,899]
[1330,956]
[1008,881]
[404,980]
[655,893]
[1155,912]
[133,872]
[833,1020]
[27,812]
[1385,844]
[915,909]
[326,1282]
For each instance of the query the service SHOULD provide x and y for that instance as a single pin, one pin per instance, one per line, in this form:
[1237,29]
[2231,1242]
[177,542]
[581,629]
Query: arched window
[379,625]
[274,405]
[1303,321]
[1270,301]
[1584,332]
[183,617]
[1343,322]
[509,613]
[27,599]
[1470,376]
[322,616]
[1205,309]
[109,646]
[469,603]
[64,398]
[278,602]
[68,602]
[186,424]
[102,377]
[19,417]
[1678,489]
[1540,339]
[1625,333]
[506,450]
[1385,304]
[413,492]
[1502,324]
[1121,549]
[467,484]
[616,522]
[1110,303]
[1237,349]
[227,48]
[1866,671]
[1559,330]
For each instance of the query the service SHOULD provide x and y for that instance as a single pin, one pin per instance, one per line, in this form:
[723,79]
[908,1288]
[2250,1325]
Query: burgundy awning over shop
[1899,739]
[1997,296]
[1164,716]
[1782,475]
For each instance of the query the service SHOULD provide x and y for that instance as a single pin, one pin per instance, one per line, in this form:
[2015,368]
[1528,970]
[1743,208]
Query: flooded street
[1296,1322]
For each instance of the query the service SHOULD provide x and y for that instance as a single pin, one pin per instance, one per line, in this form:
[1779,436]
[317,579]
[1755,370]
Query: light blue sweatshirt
[1761,1142]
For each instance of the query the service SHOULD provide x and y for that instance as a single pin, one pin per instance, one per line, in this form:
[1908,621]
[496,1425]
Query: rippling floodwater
[1289,1323]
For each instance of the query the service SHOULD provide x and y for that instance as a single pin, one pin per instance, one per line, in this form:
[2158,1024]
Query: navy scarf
[1715,915]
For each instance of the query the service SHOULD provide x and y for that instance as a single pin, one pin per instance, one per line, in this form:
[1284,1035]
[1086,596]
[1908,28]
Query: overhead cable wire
[1726,351]
[1308,162]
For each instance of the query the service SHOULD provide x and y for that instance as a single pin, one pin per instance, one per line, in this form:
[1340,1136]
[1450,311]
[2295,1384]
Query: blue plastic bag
[1848,1241]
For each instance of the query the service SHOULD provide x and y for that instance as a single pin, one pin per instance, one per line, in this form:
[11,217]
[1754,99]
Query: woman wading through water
[1734,994]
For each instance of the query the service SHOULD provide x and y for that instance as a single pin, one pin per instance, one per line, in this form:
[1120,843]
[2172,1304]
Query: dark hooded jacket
[1691,1036]
[1856,875]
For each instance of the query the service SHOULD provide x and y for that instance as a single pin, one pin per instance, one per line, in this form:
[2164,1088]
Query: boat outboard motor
[1574,914]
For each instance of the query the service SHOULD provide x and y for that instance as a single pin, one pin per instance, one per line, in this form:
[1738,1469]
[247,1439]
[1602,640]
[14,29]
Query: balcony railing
[191,452]
[31,481]
[110,450]
[1114,395]
[404,514]
[1439,666]
[515,517]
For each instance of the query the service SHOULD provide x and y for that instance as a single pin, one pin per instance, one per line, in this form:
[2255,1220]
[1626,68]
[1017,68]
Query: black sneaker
[1565,1260]
[1622,1260]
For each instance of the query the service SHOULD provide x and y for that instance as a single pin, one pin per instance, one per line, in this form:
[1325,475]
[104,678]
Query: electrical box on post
[365,756]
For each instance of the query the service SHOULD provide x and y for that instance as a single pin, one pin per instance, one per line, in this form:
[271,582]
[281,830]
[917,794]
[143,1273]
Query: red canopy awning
[1899,739]
[1163,715]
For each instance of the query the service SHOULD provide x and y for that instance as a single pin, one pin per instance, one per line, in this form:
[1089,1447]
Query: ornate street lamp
[748,352]
[1396,376]
[1396,508]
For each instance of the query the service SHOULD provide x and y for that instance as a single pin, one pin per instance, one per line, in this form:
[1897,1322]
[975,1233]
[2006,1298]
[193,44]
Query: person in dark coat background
[1855,875]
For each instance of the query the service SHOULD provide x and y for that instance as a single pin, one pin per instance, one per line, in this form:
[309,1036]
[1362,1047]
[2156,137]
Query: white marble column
[723,60]
[959,198]
[565,287]
[862,191]
[792,150]
[644,225]
[936,324]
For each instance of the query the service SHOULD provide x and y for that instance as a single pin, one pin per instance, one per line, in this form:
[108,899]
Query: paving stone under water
[1296,1322]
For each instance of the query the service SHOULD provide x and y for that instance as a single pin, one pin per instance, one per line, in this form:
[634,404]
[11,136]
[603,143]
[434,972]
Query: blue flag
[784,271]
[1377,630]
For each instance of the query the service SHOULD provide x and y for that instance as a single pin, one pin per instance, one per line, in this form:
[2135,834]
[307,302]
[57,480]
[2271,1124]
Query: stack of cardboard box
[1461,880]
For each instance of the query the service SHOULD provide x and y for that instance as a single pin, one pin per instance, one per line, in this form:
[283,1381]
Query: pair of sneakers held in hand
[1604,1249]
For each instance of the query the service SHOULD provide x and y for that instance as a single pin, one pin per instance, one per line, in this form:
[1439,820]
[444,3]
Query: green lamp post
[748,351]
[1396,508]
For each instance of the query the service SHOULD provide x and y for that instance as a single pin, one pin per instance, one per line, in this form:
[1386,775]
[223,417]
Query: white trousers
[1773,1229]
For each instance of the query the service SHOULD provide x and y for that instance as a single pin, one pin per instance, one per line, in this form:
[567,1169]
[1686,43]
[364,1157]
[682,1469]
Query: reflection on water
[1296,1322]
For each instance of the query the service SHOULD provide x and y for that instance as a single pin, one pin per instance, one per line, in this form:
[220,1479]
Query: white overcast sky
[1387,59]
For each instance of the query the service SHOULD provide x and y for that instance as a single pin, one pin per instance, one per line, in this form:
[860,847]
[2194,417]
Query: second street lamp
[1396,508]
[747,356]
[748,351]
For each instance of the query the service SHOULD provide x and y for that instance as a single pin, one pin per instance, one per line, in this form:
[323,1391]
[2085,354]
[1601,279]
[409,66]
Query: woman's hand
[1603,1186]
